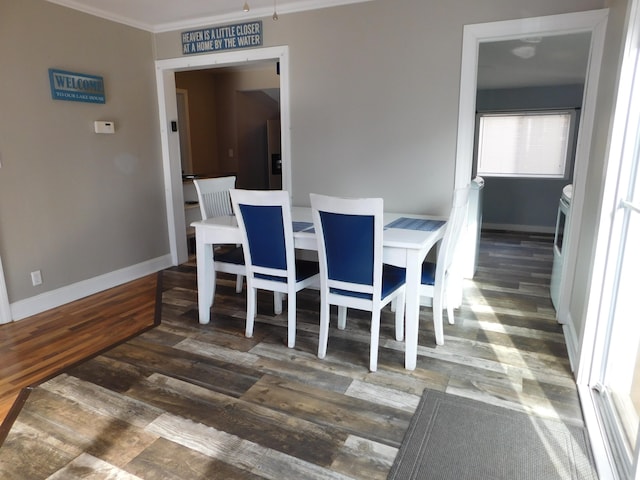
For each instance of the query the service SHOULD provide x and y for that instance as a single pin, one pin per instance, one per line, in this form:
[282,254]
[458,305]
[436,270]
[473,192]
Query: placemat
[416,224]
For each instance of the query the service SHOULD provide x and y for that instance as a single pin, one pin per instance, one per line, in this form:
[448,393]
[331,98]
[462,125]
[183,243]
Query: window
[525,144]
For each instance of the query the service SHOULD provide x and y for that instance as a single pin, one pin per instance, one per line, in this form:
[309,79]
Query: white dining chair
[352,275]
[214,201]
[441,282]
[264,218]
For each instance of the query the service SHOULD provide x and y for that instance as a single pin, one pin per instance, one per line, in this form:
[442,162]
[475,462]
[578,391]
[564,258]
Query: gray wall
[529,204]
[75,204]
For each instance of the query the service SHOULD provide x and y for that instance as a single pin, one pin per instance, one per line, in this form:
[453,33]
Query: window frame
[570,151]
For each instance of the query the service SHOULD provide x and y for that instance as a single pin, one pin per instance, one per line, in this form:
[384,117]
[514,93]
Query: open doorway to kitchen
[565,26]
[165,74]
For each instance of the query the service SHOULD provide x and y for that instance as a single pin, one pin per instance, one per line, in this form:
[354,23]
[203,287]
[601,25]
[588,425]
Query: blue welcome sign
[76,87]
[228,37]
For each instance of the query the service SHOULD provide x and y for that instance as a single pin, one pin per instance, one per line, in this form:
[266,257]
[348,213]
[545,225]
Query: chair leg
[375,339]
[437,319]
[323,336]
[251,311]
[277,303]
[400,299]
[291,320]
[342,317]
[452,303]
[239,280]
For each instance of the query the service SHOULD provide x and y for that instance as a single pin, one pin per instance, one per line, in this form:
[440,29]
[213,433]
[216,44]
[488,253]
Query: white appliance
[558,243]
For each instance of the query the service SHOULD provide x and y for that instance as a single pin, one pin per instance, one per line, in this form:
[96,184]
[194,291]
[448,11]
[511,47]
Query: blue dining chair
[264,218]
[352,275]
[441,282]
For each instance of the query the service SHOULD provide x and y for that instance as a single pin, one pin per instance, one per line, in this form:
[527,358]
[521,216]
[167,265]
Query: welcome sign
[227,37]
[76,87]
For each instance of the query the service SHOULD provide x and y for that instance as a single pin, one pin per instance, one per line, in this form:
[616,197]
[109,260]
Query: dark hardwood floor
[203,401]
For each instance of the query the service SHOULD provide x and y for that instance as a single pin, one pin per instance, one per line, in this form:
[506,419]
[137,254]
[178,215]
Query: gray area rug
[455,438]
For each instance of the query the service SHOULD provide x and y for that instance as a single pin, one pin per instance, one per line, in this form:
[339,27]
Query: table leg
[206,278]
[412,309]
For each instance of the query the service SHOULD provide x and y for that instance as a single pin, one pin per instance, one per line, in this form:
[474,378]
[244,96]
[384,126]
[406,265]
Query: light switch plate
[104,127]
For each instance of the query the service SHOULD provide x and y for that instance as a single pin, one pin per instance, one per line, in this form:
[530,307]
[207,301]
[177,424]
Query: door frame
[5,307]
[167,111]
[593,21]
[623,136]
[185,127]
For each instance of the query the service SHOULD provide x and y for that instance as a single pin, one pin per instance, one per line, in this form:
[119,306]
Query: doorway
[593,22]
[167,107]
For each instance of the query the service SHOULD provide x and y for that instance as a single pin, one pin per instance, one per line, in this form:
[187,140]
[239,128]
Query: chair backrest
[349,235]
[453,234]
[213,196]
[264,218]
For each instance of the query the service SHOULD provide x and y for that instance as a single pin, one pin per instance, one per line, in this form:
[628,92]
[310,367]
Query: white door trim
[5,308]
[185,128]
[593,21]
[167,110]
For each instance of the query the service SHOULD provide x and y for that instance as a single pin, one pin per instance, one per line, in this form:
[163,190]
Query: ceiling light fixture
[246,7]
[525,51]
[275,13]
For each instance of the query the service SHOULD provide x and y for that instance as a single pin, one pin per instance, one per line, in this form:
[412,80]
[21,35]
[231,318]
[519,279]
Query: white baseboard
[55,298]
[518,228]
[572,342]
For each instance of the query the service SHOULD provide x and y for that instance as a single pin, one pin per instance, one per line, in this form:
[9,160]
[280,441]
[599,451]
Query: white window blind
[524,144]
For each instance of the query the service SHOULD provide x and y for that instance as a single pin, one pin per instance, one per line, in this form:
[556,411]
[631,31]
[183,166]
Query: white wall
[607,90]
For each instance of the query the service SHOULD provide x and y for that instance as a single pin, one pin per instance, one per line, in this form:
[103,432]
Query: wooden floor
[206,402]
[38,347]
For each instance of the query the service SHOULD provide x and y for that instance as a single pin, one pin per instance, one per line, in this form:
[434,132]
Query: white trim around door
[593,21]
[167,108]
[5,308]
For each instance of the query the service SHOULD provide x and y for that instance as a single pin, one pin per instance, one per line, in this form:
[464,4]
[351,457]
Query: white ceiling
[166,15]
[558,60]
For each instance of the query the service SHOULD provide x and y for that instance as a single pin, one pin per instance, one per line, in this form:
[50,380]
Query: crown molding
[96,12]
[300,6]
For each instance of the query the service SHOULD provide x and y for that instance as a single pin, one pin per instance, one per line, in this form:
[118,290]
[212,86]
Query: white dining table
[405,247]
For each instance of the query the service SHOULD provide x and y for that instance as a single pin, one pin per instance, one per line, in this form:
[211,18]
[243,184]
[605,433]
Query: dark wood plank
[367,418]
[171,461]
[252,421]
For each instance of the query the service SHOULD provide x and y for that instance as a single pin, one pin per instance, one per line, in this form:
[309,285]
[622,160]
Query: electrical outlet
[36,278]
